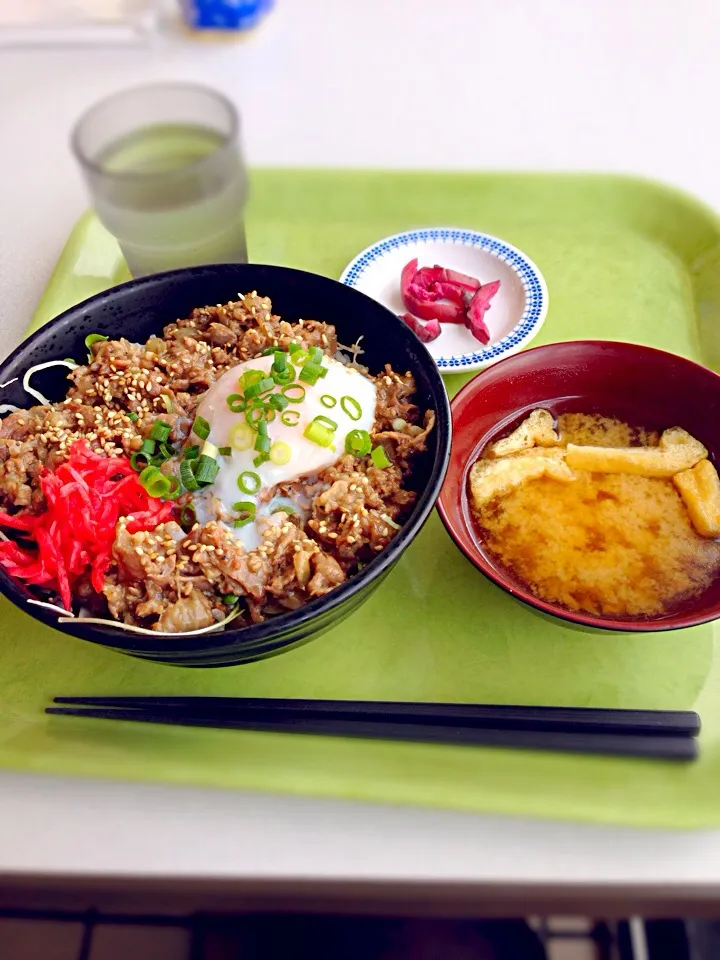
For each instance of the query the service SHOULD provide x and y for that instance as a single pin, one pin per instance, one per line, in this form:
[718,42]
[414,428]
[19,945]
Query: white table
[538,84]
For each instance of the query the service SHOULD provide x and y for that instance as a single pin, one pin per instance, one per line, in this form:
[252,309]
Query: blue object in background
[225,14]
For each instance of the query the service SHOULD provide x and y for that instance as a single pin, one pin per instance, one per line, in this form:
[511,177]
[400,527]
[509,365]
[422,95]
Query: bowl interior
[142,307]
[640,385]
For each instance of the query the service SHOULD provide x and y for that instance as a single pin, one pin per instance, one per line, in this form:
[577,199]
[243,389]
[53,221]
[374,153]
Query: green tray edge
[57,297]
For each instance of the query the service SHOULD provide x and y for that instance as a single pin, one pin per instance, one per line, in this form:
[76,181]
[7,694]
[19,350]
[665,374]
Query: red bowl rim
[672,622]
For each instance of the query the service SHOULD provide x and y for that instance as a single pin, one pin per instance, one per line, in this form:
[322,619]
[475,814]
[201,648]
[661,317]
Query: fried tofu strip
[676,452]
[700,491]
[537,430]
[496,478]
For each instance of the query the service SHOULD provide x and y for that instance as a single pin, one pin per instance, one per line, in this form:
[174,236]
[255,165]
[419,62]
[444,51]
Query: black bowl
[137,309]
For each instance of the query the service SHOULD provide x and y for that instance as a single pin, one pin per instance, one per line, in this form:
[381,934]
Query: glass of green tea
[166,175]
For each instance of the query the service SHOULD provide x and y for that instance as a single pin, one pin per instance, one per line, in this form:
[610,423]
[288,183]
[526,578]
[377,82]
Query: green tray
[623,259]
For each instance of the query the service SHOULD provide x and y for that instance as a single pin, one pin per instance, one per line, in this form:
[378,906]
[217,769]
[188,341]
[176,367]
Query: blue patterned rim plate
[517,311]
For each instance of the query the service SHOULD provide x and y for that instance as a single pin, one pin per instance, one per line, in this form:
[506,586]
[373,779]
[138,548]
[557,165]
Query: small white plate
[516,312]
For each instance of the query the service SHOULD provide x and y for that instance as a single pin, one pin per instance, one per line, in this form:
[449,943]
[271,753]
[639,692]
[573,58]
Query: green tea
[175,198]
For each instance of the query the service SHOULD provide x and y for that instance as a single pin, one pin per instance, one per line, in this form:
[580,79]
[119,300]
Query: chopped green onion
[154,482]
[262,428]
[262,443]
[267,351]
[230,599]
[297,398]
[260,459]
[290,511]
[351,407]
[294,348]
[165,451]
[191,452]
[290,418]
[250,377]
[160,431]
[148,446]
[262,386]
[187,476]
[310,374]
[225,451]
[133,417]
[209,450]
[278,401]
[280,362]
[249,482]
[358,442]
[241,436]
[175,489]
[380,458]
[206,470]
[280,452]
[315,354]
[187,516]
[90,339]
[247,510]
[135,461]
[167,401]
[317,432]
[201,428]
[287,376]
[254,415]
[326,422]
[328,401]
[236,402]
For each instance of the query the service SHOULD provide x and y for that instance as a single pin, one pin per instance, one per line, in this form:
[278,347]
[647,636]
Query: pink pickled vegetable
[461,279]
[421,296]
[452,292]
[407,276]
[439,295]
[427,332]
[440,310]
[485,293]
[479,304]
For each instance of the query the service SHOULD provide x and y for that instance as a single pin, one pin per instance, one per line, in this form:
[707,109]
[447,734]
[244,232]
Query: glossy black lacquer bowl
[137,309]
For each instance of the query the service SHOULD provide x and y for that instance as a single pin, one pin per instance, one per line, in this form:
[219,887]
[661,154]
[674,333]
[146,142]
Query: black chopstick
[626,745]
[494,716]
[656,744]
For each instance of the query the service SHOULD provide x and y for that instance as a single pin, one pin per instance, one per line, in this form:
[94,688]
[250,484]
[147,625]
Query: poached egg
[353,408]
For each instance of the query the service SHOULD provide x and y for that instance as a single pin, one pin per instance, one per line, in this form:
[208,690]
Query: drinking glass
[166,175]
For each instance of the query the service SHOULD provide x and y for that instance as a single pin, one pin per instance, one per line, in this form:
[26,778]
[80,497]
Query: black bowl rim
[262,638]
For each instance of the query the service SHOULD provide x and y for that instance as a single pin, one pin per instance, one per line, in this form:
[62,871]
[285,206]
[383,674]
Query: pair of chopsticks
[656,734]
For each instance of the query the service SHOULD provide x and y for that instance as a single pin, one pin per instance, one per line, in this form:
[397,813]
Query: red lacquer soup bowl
[640,385]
